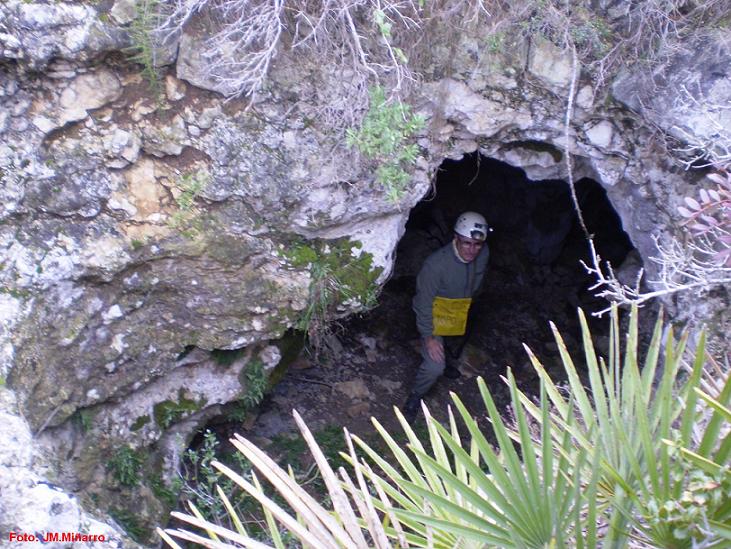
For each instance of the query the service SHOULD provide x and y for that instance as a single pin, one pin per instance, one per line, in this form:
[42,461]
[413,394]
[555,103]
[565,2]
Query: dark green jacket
[444,275]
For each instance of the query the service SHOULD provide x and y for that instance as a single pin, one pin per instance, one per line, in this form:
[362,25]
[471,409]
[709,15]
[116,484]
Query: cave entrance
[534,273]
[533,277]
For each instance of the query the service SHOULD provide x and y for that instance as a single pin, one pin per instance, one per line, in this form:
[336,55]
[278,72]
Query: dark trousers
[430,370]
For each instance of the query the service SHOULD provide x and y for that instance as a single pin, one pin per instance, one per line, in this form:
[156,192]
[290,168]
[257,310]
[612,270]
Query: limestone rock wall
[30,503]
[137,225]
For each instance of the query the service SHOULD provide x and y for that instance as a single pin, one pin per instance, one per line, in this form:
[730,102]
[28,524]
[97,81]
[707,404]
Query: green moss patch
[124,465]
[348,270]
[132,524]
[301,255]
[139,423]
[84,418]
[168,412]
[167,494]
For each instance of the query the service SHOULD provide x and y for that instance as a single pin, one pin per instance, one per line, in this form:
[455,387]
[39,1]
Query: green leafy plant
[683,520]
[324,289]
[214,497]
[631,423]
[202,483]
[384,137]
[255,382]
[200,479]
[339,273]
[124,465]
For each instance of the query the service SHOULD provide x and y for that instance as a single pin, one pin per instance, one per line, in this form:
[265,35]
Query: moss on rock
[290,346]
[139,423]
[349,268]
[168,412]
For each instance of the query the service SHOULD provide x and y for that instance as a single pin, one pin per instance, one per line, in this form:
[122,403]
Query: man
[444,289]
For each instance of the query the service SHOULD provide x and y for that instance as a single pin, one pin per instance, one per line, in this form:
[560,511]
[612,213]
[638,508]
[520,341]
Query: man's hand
[434,349]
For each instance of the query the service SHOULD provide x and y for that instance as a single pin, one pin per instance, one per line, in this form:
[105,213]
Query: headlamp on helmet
[472,225]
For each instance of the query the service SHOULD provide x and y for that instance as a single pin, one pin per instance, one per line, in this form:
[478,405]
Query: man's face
[468,248]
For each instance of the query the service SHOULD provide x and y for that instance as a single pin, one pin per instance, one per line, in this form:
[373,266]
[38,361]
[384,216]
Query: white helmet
[472,225]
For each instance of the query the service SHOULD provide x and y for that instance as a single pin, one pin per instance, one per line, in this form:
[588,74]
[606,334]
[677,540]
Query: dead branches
[361,40]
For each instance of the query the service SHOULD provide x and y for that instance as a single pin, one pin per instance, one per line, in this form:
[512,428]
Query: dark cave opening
[534,275]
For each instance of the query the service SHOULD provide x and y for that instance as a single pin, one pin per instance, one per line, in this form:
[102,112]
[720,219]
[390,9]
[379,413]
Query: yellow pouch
[449,316]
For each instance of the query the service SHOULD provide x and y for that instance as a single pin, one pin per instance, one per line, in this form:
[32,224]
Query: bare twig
[310,380]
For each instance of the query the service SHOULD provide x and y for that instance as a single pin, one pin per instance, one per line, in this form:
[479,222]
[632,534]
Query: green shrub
[201,484]
[255,382]
[639,421]
[144,45]
[125,465]
[384,137]
[337,274]
[186,218]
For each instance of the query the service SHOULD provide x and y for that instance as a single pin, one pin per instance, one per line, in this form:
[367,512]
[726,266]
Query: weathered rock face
[688,97]
[135,228]
[34,33]
[31,504]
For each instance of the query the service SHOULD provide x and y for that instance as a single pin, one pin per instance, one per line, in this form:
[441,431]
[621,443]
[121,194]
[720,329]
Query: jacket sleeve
[427,285]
